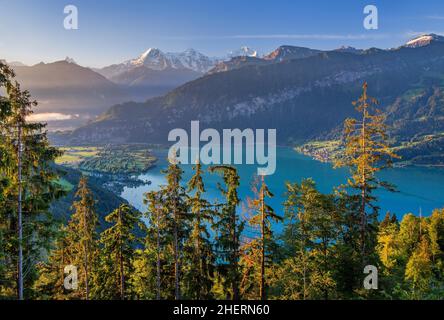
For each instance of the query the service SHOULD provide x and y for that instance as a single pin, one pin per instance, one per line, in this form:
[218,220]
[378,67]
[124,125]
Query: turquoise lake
[418,187]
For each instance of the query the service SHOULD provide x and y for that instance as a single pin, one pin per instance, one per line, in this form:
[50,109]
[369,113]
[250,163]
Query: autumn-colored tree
[419,268]
[257,252]
[366,153]
[387,247]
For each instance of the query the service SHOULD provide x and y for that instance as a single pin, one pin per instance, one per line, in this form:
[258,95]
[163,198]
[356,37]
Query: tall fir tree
[228,228]
[82,235]
[310,234]
[27,185]
[119,244]
[174,196]
[50,285]
[155,256]
[200,269]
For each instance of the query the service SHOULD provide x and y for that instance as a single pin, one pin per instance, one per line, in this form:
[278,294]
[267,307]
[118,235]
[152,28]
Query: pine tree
[366,152]
[27,185]
[201,260]
[174,197]
[156,239]
[50,283]
[228,231]
[82,234]
[258,251]
[118,250]
[310,234]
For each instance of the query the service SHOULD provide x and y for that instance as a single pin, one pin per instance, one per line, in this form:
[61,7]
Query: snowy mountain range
[306,95]
[156,59]
[68,88]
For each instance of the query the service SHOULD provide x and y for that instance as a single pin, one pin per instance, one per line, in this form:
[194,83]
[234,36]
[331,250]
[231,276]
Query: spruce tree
[119,243]
[50,283]
[27,185]
[228,229]
[156,241]
[310,234]
[201,261]
[175,203]
[82,235]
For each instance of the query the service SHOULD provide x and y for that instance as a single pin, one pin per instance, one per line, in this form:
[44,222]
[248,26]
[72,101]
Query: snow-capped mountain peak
[152,58]
[348,49]
[191,59]
[156,59]
[424,40]
[243,51]
[151,52]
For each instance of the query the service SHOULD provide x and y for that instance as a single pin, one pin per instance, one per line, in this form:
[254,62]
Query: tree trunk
[199,255]
[85,254]
[86,272]
[19,211]
[262,285]
[158,258]
[176,264]
[363,190]
[235,280]
[176,255]
[122,271]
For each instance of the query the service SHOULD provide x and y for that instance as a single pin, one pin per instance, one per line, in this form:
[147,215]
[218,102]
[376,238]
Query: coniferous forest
[187,247]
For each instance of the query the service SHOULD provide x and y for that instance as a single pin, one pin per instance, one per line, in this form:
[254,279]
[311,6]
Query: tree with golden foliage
[257,251]
[366,153]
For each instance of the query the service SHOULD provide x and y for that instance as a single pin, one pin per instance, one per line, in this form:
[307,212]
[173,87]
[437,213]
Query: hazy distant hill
[70,95]
[74,93]
[281,54]
[142,82]
[156,72]
[303,98]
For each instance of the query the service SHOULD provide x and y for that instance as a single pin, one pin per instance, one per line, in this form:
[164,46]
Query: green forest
[192,248]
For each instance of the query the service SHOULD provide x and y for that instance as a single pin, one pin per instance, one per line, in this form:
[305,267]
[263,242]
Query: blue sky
[115,30]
